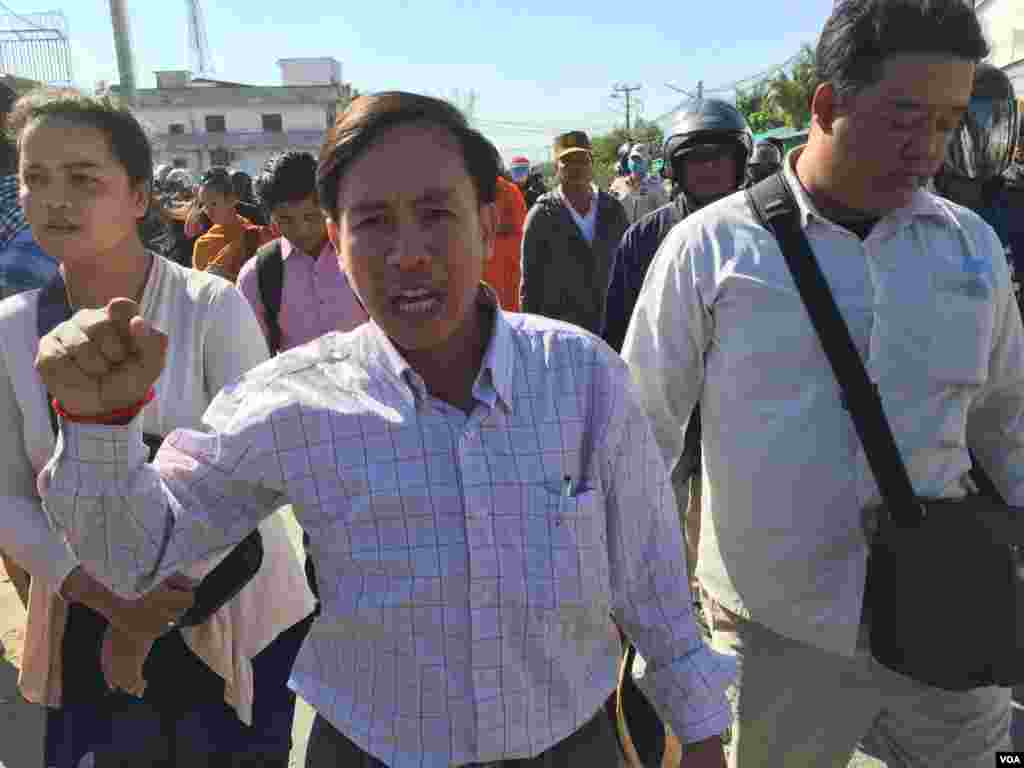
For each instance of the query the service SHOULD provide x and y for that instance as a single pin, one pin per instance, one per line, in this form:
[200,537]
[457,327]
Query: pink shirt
[315,299]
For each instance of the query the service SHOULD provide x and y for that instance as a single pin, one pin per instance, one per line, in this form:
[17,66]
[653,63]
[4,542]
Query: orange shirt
[502,270]
[225,247]
[232,257]
[214,239]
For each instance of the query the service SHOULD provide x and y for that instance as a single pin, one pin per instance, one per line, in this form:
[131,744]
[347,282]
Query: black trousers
[594,746]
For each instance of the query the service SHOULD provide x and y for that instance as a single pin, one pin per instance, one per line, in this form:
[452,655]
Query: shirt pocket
[567,563]
[961,339]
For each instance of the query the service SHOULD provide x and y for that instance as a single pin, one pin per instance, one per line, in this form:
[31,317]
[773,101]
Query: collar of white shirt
[922,204]
[593,201]
[288,247]
[495,379]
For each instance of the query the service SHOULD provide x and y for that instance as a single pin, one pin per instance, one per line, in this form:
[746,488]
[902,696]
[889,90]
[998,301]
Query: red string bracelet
[117,416]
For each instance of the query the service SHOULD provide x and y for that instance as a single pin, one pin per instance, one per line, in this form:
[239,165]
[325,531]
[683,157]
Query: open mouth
[61,229]
[418,301]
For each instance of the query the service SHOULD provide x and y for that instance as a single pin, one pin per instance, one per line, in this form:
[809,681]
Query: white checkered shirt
[468,565]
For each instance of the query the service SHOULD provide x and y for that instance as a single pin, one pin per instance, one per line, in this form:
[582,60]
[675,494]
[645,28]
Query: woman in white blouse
[215,694]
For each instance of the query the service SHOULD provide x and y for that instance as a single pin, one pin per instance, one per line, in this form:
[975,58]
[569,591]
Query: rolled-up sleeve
[684,678]
[132,523]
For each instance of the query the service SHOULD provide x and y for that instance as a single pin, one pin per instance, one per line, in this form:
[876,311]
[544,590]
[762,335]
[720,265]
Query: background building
[199,122]
[1003,21]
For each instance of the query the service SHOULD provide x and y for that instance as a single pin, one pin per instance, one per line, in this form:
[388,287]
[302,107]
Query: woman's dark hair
[127,138]
[368,117]
[218,179]
[861,34]
[286,178]
[241,182]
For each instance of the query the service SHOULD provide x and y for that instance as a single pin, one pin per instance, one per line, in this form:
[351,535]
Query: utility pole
[123,46]
[625,91]
[700,90]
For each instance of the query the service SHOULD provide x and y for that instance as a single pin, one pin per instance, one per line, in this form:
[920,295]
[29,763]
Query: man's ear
[824,106]
[141,196]
[488,227]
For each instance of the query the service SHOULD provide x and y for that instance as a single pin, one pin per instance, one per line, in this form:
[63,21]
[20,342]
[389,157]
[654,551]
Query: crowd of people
[577,481]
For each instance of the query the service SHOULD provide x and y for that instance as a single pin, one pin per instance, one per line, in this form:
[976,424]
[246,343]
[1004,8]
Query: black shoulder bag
[226,580]
[926,555]
[269,280]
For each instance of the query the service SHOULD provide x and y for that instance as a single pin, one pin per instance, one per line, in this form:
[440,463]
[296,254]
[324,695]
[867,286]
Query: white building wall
[1003,22]
[310,71]
[302,117]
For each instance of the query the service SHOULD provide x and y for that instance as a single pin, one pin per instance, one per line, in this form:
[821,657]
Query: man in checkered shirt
[482,489]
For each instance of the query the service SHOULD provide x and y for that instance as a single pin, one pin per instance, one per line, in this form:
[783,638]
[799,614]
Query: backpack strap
[270,278]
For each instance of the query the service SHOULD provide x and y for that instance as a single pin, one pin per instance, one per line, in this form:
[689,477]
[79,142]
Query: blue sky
[538,66]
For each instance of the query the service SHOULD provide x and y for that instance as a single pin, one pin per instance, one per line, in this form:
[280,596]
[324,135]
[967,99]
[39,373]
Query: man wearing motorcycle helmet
[622,159]
[529,183]
[978,155]
[706,156]
[638,192]
[766,160]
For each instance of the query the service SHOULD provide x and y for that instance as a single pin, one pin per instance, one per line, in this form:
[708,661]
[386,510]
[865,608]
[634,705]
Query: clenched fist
[101,360]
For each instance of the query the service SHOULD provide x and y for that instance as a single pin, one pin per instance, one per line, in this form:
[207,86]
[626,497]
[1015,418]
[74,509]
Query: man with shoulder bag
[852,341]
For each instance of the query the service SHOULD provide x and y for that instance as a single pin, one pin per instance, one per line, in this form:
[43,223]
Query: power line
[763,75]
[627,91]
[758,77]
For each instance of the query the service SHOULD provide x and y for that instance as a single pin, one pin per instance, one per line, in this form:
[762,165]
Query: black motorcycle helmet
[709,121]
[622,164]
[983,146]
[766,160]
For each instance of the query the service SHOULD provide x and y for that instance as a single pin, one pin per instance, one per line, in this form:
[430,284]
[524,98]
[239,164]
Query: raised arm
[130,523]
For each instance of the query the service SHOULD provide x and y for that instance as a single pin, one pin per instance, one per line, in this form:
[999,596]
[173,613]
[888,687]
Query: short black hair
[128,141]
[861,34]
[241,182]
[218,179]
[8,96]
[368,117]
[287,178]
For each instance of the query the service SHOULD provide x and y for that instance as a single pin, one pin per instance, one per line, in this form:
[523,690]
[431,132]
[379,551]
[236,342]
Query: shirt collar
[593,198]
[922,204]
[288,247]
[493,384]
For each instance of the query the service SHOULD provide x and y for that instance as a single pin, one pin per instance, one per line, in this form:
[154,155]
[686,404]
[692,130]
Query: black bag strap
[270,278]
[773,203]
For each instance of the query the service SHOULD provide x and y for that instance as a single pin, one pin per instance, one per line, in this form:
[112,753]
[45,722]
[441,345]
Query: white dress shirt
[468,565]
[719,320]
[588,223]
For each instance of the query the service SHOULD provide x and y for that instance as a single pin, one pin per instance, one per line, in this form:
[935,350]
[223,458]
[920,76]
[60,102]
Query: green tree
[753,105]
[789,94]
[606,147]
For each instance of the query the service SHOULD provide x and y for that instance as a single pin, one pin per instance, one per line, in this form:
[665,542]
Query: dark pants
[183,719]
[594,746]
